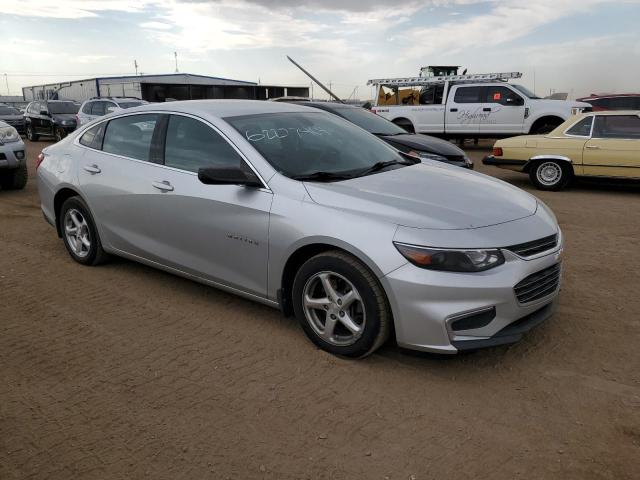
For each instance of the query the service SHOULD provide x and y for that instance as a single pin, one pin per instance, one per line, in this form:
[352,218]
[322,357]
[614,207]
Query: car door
[464,110]
[614,149]
[114,173]
[502,111]
[37,118]
[216,232]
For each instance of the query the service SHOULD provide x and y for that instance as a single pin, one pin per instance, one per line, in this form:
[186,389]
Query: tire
[31,134]
[544,128]
[93,254]
[367,314]
[15,179]
[58,134]
[551,175]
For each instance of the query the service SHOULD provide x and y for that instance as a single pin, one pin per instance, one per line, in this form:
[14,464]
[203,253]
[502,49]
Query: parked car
[421,146]
[100,106]
[13,117]
[13,160]
[602,144]
[302,210]
[626,101]
[51,118]
[469,106]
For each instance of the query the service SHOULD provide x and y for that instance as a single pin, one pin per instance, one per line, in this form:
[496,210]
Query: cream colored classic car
[597,144]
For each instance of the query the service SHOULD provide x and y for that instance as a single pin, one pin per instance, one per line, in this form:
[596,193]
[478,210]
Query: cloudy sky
[575,46]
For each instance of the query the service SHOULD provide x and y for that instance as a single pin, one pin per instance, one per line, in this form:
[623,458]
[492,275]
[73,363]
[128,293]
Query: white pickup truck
[469,106]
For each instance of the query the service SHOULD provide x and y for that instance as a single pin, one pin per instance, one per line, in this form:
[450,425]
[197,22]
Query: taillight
[497,151]
[39,160]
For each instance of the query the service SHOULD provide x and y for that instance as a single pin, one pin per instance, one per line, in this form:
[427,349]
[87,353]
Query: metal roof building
[159,88]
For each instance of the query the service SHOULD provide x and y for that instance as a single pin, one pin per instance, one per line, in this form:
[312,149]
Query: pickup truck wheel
[79,232]
[405,124]
[15,179]
[340,305]
[545,127]
[31,135]
[551,175]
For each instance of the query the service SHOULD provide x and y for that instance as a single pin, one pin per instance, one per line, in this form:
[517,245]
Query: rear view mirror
[228,176]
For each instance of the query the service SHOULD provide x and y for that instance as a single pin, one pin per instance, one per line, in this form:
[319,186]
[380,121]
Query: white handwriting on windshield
[278,133]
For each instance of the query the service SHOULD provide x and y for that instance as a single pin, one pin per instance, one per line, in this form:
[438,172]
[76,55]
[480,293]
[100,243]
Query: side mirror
[44,112]
[517,102]
[228,176]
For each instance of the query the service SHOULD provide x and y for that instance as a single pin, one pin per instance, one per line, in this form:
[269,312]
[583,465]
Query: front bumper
[425,304]
[12,155]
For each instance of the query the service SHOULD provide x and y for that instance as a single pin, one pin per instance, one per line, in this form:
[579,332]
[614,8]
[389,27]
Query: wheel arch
[551,118]
[302,252]
[538,158]
[404,121]
[59,198]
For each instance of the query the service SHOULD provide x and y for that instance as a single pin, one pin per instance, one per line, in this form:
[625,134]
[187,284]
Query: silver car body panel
[240,239]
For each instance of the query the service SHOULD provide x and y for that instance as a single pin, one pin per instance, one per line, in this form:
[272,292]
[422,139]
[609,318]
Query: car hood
[11,118]
[64,116]
[428,195]
[425,143]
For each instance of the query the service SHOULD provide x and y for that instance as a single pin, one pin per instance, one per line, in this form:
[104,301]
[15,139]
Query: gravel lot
[122,371]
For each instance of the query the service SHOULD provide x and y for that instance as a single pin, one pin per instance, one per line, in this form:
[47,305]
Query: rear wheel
[550,175]
[405,124]
[79,232]
[15,179]
[31,134]
[341,305]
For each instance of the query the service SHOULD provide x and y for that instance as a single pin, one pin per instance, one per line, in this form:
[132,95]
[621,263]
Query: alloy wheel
[549,173]
[77,232]
[333,308]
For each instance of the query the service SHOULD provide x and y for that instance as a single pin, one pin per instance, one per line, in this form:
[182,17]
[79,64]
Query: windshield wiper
[376,167]
[322,177]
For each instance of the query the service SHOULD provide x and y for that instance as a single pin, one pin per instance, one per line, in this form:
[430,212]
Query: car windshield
[370,121]
[129,104]
[525,91]
[299,144]
[62,107]
[4,110]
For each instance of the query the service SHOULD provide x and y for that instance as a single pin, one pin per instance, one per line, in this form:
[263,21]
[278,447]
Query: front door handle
[453,110]
[92,168]
[164,185]
[593,147]
[487,109]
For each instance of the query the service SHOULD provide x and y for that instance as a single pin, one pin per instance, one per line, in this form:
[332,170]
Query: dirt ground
[125,372]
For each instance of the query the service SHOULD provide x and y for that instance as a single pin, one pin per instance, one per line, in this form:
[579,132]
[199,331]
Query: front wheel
[340,304]
[79,232]
[15,179]
[31,134]
[550,175]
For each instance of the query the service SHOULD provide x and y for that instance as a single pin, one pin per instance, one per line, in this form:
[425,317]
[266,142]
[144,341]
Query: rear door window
[191,145]
[93,137]
[98,108]
[130,136]
[86,108]
[468,95]
[617,126]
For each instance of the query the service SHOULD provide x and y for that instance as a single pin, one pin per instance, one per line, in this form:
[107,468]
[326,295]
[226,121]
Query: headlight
[8,134]
[427,155]
[451,260]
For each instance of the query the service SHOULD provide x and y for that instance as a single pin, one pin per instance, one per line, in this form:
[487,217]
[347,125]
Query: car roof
[224,108]
[615,112]
[609,95]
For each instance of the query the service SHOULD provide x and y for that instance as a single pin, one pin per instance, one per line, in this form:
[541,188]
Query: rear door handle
[453,110]
[164,185]
[92,168]
[593,147]
[488,109]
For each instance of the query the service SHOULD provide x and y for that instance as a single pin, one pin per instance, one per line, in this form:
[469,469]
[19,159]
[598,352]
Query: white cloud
[156,25]
[67,8]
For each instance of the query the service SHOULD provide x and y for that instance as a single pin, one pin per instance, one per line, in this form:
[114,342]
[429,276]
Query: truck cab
[469,106]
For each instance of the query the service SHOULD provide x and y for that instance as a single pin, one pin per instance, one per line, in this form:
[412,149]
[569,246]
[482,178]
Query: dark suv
[53,118]
[623,101]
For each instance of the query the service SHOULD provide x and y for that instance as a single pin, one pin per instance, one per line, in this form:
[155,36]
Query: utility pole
[6,79]
[135,64]
[175,54]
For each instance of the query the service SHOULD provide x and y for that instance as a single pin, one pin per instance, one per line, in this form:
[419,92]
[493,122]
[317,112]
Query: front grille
[534,247]
[538,285]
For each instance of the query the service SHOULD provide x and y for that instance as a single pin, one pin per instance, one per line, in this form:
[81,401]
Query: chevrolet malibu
[301,210]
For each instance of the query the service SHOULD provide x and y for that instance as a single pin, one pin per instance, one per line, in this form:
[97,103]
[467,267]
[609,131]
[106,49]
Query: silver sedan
[301,210]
